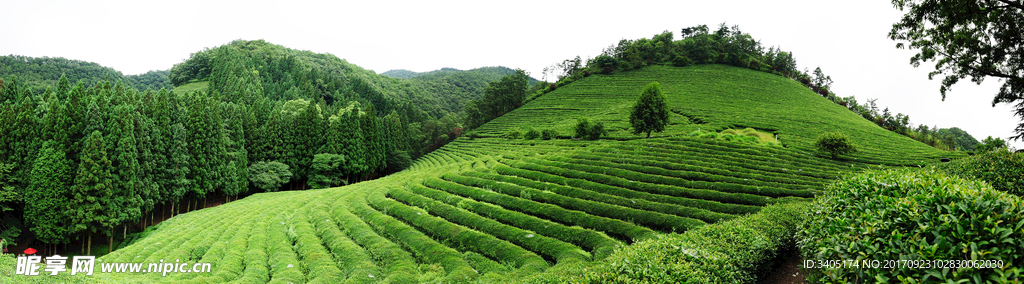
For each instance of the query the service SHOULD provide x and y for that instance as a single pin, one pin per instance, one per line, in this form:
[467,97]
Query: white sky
[847,39]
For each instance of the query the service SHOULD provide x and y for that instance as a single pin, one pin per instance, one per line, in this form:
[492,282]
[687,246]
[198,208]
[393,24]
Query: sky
[847,39]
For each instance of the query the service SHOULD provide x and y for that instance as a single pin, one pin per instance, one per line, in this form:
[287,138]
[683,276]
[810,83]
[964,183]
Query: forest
[271,118]
[39,73]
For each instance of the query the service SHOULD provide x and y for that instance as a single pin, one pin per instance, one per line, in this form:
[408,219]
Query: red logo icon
[30,251]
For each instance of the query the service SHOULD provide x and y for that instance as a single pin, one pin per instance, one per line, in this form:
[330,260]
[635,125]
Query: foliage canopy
[967,38]
[650,112]
[835,144]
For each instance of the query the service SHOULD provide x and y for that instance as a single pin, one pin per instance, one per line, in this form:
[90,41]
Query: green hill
[495,209]
[287,74]
[715,98]
[400,73]
[38,73]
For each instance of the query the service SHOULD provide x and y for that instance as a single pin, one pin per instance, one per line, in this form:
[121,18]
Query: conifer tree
[374,155]
[93,186]
[148,160]
[63,87]
[47,196]
[307,122]
[24,140]
[126,202]
[352,139]
[94,120]
[178,166]
[75,111]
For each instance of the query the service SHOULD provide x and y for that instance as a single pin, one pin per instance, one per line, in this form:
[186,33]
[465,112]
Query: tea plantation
[491,209]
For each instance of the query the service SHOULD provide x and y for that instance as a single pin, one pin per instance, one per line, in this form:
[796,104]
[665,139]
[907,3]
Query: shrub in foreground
[735,251]
[914,215]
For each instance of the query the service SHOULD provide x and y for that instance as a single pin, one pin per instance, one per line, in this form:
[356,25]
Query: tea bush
[736,251]
[1001,168]
[914,215]
[531,134]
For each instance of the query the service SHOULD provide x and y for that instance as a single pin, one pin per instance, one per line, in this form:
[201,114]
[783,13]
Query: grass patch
[191,87]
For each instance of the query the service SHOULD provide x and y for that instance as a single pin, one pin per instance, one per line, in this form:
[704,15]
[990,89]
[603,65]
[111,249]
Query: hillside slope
[495,209]
[287,74]
[716,97]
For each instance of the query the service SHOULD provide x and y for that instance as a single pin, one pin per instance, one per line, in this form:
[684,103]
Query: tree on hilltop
[650,112]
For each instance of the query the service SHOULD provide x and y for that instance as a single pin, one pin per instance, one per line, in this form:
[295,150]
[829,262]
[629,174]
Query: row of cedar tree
[81,160]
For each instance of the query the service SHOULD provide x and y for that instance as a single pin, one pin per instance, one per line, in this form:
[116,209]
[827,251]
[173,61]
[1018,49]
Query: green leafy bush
[327,171]
[531,134]
[548,134]
[914,215]
[1000,168]
[590,131]
[835,144]
[736,251]
[514,133]
[269,176]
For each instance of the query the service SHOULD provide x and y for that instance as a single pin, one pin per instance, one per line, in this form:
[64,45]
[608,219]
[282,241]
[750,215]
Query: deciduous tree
[968,38]
[650,112]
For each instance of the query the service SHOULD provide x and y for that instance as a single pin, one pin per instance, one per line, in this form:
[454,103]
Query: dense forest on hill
[270,118]
[290,74]
[42,72]
[455,87]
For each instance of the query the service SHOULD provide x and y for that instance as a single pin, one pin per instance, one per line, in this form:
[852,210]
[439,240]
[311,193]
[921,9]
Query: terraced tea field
[467,215]
[500,210]
[721,97]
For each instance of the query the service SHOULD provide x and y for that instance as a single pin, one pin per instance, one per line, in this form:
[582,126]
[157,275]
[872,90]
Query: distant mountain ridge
[287,74]
[39,72]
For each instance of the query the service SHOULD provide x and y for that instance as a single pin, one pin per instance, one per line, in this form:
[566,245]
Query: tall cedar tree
[204,145]
[650,112]
[46,198]
[149,159]
[308,125]
[126,202]
[179,167]
[22,139]
[63,87]
[93,185]
[354,149]
[161,138]
[374,156]
[75,111]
